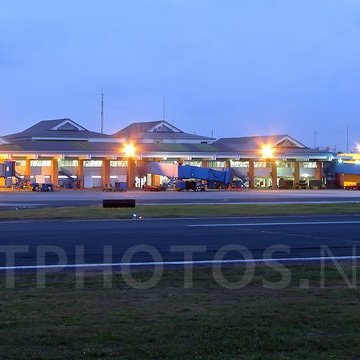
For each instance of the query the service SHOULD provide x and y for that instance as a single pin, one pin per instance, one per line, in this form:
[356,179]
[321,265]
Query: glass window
[192,163]
[118,163]
[309,164]
[285,164]
[68,163]
[239,164]
[217,164]
[167,161]
[93,163]
[261,164]
[40,163]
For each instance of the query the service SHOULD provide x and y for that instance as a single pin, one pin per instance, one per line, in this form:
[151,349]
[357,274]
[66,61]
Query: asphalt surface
[118,241]
[20,199]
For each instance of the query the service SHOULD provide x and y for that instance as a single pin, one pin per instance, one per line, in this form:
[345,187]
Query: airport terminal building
[52,151]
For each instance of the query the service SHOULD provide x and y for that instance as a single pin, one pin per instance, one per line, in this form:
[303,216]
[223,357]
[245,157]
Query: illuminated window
[118,163]
[261,164]
[239,164]
[169,162]
[309,164]
[217,164]
[20,162]
[285,164]
[68,163]
[192,163]
[40,163]
[93,163]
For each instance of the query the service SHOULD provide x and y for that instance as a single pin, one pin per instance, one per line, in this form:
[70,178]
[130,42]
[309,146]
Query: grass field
[168,321]
[315,315]
[148,211]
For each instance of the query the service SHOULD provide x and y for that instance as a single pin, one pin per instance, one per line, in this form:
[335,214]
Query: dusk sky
[231,67]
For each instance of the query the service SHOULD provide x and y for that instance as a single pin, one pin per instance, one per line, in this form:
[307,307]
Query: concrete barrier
[118,203]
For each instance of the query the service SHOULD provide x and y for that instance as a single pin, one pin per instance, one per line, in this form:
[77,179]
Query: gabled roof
[218,151]
[255,142]
[85,147]
[60,129]
[138,128]
[155,130]
[68,125]
[3,141]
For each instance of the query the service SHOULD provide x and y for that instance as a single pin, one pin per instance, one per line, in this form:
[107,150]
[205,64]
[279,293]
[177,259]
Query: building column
[251,174]
[55,172]
[131,174]
[155,179]
[319,171]
[228,163]
[105,172]
[27,171]
[273,175]
[80,173]
[340,179]
[205,163]
[296,174]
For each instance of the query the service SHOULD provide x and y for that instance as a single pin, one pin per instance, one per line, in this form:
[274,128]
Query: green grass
[168,321]
[150,211]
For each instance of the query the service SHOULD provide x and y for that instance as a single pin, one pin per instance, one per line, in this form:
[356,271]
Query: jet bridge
[175,171]
[7,169]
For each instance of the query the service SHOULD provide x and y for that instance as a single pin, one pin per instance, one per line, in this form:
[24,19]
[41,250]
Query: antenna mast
[102,113]
[163,116]
[315,139]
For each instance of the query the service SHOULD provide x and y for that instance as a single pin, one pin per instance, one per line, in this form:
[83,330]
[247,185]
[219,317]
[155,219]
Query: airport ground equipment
[7,171]
[201,173]
[185,172]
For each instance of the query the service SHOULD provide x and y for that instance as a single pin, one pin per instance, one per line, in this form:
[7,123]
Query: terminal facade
[52,151]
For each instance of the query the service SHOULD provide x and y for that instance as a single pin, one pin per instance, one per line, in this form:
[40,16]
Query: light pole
[130,152]
[267,152]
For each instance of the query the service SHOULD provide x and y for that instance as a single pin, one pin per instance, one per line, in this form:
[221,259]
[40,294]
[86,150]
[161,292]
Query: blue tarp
[189,172]
[196,172]
[345,168]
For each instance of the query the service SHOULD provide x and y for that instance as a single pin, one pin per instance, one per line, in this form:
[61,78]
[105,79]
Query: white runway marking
[276,223]
[180,263]
[22,204]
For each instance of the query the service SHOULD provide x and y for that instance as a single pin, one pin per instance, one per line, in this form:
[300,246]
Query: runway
[11,200]
[164,241]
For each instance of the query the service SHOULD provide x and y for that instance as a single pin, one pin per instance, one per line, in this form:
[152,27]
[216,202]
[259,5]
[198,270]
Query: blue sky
[231,67]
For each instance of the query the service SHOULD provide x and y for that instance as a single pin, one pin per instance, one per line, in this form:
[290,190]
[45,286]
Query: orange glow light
[267,151]
[129,150]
